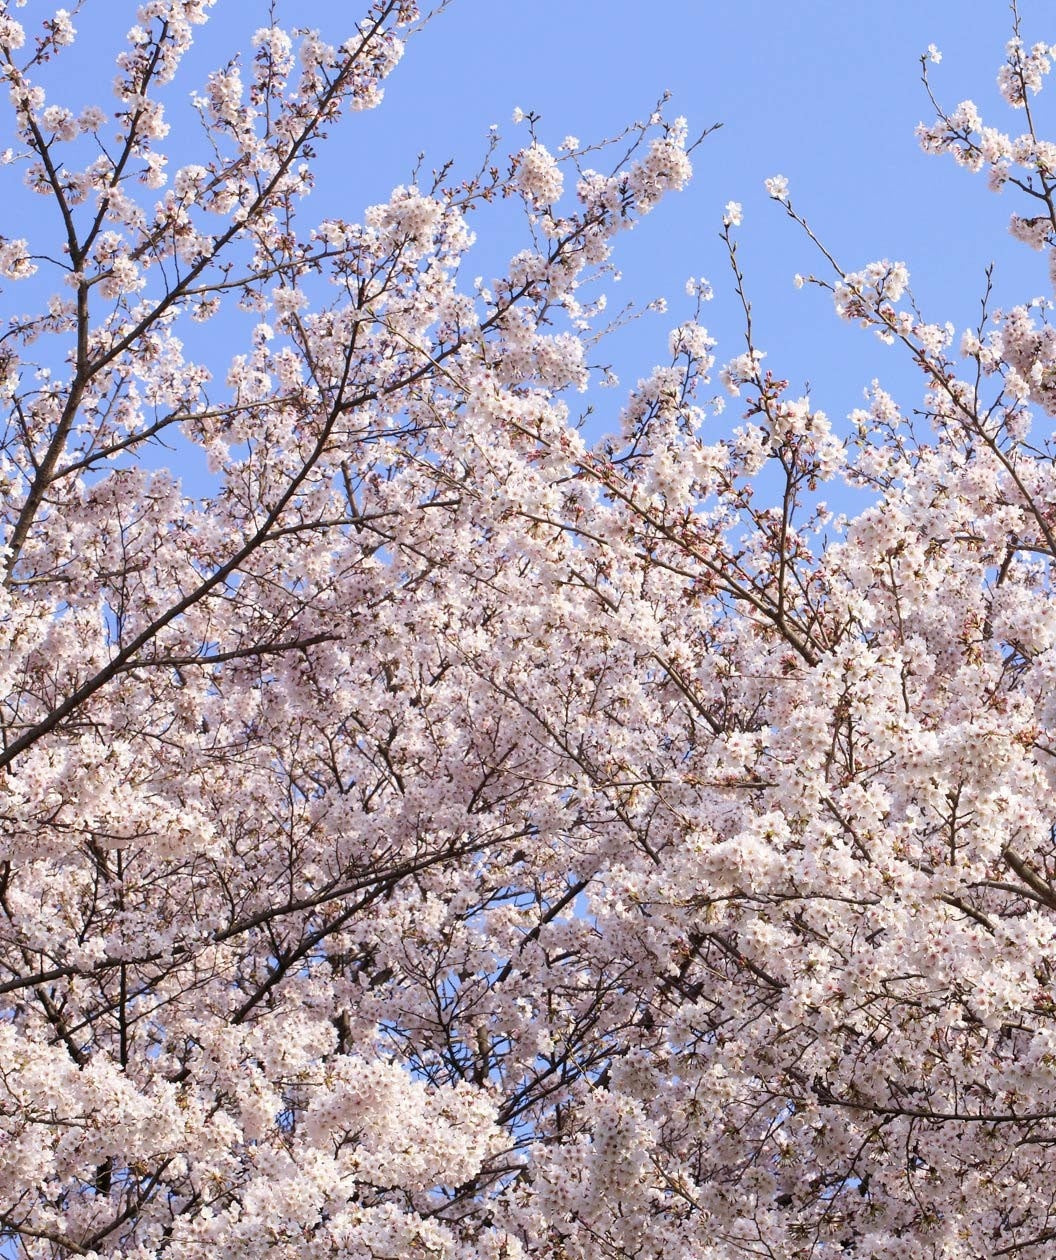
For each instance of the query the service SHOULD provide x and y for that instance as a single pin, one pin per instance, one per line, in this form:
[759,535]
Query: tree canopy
[450,834]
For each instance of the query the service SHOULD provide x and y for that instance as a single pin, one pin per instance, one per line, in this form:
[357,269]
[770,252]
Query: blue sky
[826,92]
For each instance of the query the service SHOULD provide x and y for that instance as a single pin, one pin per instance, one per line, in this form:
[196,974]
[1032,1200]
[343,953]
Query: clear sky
[826,92]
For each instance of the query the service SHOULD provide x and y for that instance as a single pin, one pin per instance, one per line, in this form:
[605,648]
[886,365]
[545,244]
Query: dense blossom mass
[437,834]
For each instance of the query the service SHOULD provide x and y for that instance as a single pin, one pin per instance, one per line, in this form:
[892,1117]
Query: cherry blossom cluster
[442,833]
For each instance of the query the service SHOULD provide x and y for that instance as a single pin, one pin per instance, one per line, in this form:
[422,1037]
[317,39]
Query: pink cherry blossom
[449,835]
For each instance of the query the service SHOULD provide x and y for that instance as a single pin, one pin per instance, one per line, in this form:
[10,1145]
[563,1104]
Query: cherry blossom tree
[444,835]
